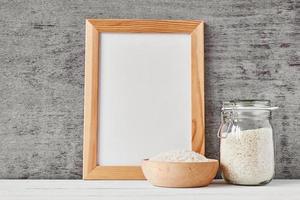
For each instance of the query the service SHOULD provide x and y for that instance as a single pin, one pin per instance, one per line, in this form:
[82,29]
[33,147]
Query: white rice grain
[179,156]
[247,157]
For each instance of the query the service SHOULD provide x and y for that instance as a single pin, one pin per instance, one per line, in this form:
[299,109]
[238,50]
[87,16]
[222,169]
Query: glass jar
[247,145]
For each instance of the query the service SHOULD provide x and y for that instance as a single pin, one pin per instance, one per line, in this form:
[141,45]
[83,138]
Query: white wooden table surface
[108,190]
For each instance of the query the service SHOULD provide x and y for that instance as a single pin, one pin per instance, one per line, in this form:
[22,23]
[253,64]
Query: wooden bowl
[180,174]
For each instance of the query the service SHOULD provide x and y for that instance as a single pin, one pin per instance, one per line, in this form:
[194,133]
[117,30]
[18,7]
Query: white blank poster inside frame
[144,96]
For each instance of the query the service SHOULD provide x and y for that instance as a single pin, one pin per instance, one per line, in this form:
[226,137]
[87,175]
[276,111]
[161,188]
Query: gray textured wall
[252,51]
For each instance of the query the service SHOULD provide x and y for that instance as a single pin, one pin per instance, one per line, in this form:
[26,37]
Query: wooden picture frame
[95,26]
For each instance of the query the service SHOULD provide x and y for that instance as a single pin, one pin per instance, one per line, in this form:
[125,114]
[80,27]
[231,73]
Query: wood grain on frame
[198,112]
[90,100]
[93,27]
[145,26]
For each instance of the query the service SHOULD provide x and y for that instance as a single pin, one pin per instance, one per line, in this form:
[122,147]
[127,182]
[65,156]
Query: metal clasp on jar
[232,119]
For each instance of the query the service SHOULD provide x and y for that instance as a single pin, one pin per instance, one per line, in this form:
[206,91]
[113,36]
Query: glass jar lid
[248,105]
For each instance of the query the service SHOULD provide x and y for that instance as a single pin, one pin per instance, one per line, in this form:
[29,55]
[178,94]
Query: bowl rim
[172,162]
